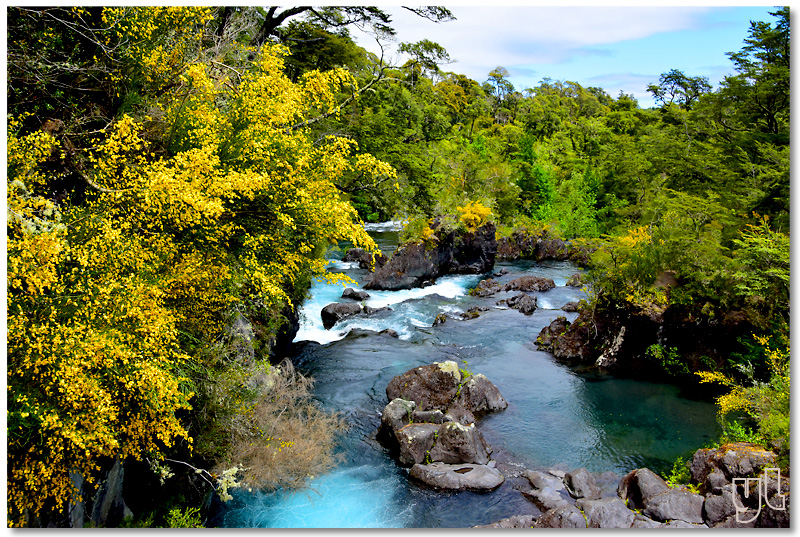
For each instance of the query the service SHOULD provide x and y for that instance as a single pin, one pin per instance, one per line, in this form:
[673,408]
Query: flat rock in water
[540,480]
[458,476]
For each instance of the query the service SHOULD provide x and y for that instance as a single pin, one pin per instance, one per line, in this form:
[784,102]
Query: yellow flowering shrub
[473,215]
[225,201]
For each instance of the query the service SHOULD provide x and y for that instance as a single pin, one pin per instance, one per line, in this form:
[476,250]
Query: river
[558,417]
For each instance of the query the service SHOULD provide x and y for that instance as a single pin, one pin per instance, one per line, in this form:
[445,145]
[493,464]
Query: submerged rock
[458,476]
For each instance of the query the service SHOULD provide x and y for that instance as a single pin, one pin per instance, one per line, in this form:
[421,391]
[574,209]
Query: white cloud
[483,37]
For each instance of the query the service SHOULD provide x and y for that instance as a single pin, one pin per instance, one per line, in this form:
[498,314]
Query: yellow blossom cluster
[112,300]
[474,214]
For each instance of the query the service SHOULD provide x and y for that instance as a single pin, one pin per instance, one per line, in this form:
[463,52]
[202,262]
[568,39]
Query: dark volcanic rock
[396,415]
[485,288]
[675,504]
[529,284]
[440,319]
[570,307]
[606,513]
[716,467]
[718,508]
[576,280]
[365,258]
[567,516]
[333,313]
[458,443]
[415,441]
[513,522]
[354,294]
[454,253]
[638,486]
[581,484]
[431,387]
[557,327]
[523,302]
[478,395]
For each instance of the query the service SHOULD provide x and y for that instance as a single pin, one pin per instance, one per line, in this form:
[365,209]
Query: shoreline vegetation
[176,175]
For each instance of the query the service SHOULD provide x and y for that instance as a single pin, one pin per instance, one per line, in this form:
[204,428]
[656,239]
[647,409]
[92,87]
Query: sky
[618,48]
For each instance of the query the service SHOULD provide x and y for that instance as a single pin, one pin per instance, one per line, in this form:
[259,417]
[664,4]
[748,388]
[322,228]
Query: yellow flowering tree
[217,199]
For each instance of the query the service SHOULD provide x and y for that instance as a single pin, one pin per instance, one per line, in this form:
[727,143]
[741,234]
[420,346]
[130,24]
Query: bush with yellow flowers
[219,200]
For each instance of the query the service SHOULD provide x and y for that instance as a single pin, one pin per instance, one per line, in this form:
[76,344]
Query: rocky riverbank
[429,425]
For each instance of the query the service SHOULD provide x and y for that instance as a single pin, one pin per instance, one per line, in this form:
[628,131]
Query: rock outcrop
[365,259]
[541,245]
[414,264]
[642,499]
[431,419]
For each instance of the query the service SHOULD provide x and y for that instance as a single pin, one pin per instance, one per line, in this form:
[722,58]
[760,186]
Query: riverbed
[558,416]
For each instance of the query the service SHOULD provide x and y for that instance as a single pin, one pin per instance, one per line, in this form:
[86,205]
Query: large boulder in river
[355,294]
[478,394]
[523,302]
[675,504]
[333,313]
[606,513]
[456,443]
[431,387]
[581,484]
[454,252]
[415,441]
[458,476]
[529,284]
